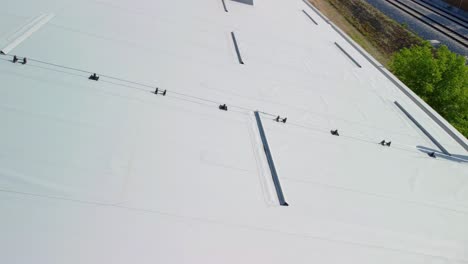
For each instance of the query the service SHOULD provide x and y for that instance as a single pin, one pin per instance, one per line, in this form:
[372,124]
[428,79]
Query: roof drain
[309,17]
[239,57]
[422,128]
[349,56]
[271,164]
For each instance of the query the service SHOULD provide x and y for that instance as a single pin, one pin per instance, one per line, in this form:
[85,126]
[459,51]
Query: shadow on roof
[248,2]
[439,154]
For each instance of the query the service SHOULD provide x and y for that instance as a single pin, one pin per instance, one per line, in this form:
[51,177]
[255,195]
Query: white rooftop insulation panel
[109,171]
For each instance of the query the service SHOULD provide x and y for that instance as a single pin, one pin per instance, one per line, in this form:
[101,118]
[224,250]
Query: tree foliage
[439,77]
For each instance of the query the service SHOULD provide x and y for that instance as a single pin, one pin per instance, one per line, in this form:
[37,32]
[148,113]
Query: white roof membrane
[108,172]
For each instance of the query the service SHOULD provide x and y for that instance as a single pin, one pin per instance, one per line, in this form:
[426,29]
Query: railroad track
[444,11]
[457,20]
[450,33]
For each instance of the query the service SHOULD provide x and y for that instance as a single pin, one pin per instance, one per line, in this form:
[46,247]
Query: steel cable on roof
[200,98]
[174,92]
[403,147]
[136,83]
[395,145]
[129,81]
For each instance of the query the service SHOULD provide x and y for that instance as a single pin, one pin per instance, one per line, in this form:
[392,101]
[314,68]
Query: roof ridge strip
[17,31]
[26,31]
[269,158]
[434,141]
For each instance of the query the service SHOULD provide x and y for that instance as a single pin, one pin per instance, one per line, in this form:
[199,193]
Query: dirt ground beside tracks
[372,30]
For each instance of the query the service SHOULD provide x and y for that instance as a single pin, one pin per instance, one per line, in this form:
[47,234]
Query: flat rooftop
[111,171]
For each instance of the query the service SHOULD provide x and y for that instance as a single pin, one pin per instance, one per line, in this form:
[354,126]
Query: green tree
[439,77]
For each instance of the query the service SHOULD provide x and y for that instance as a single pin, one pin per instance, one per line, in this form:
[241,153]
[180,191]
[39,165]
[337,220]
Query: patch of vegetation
[338,19]
[439,77]
[380,30]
